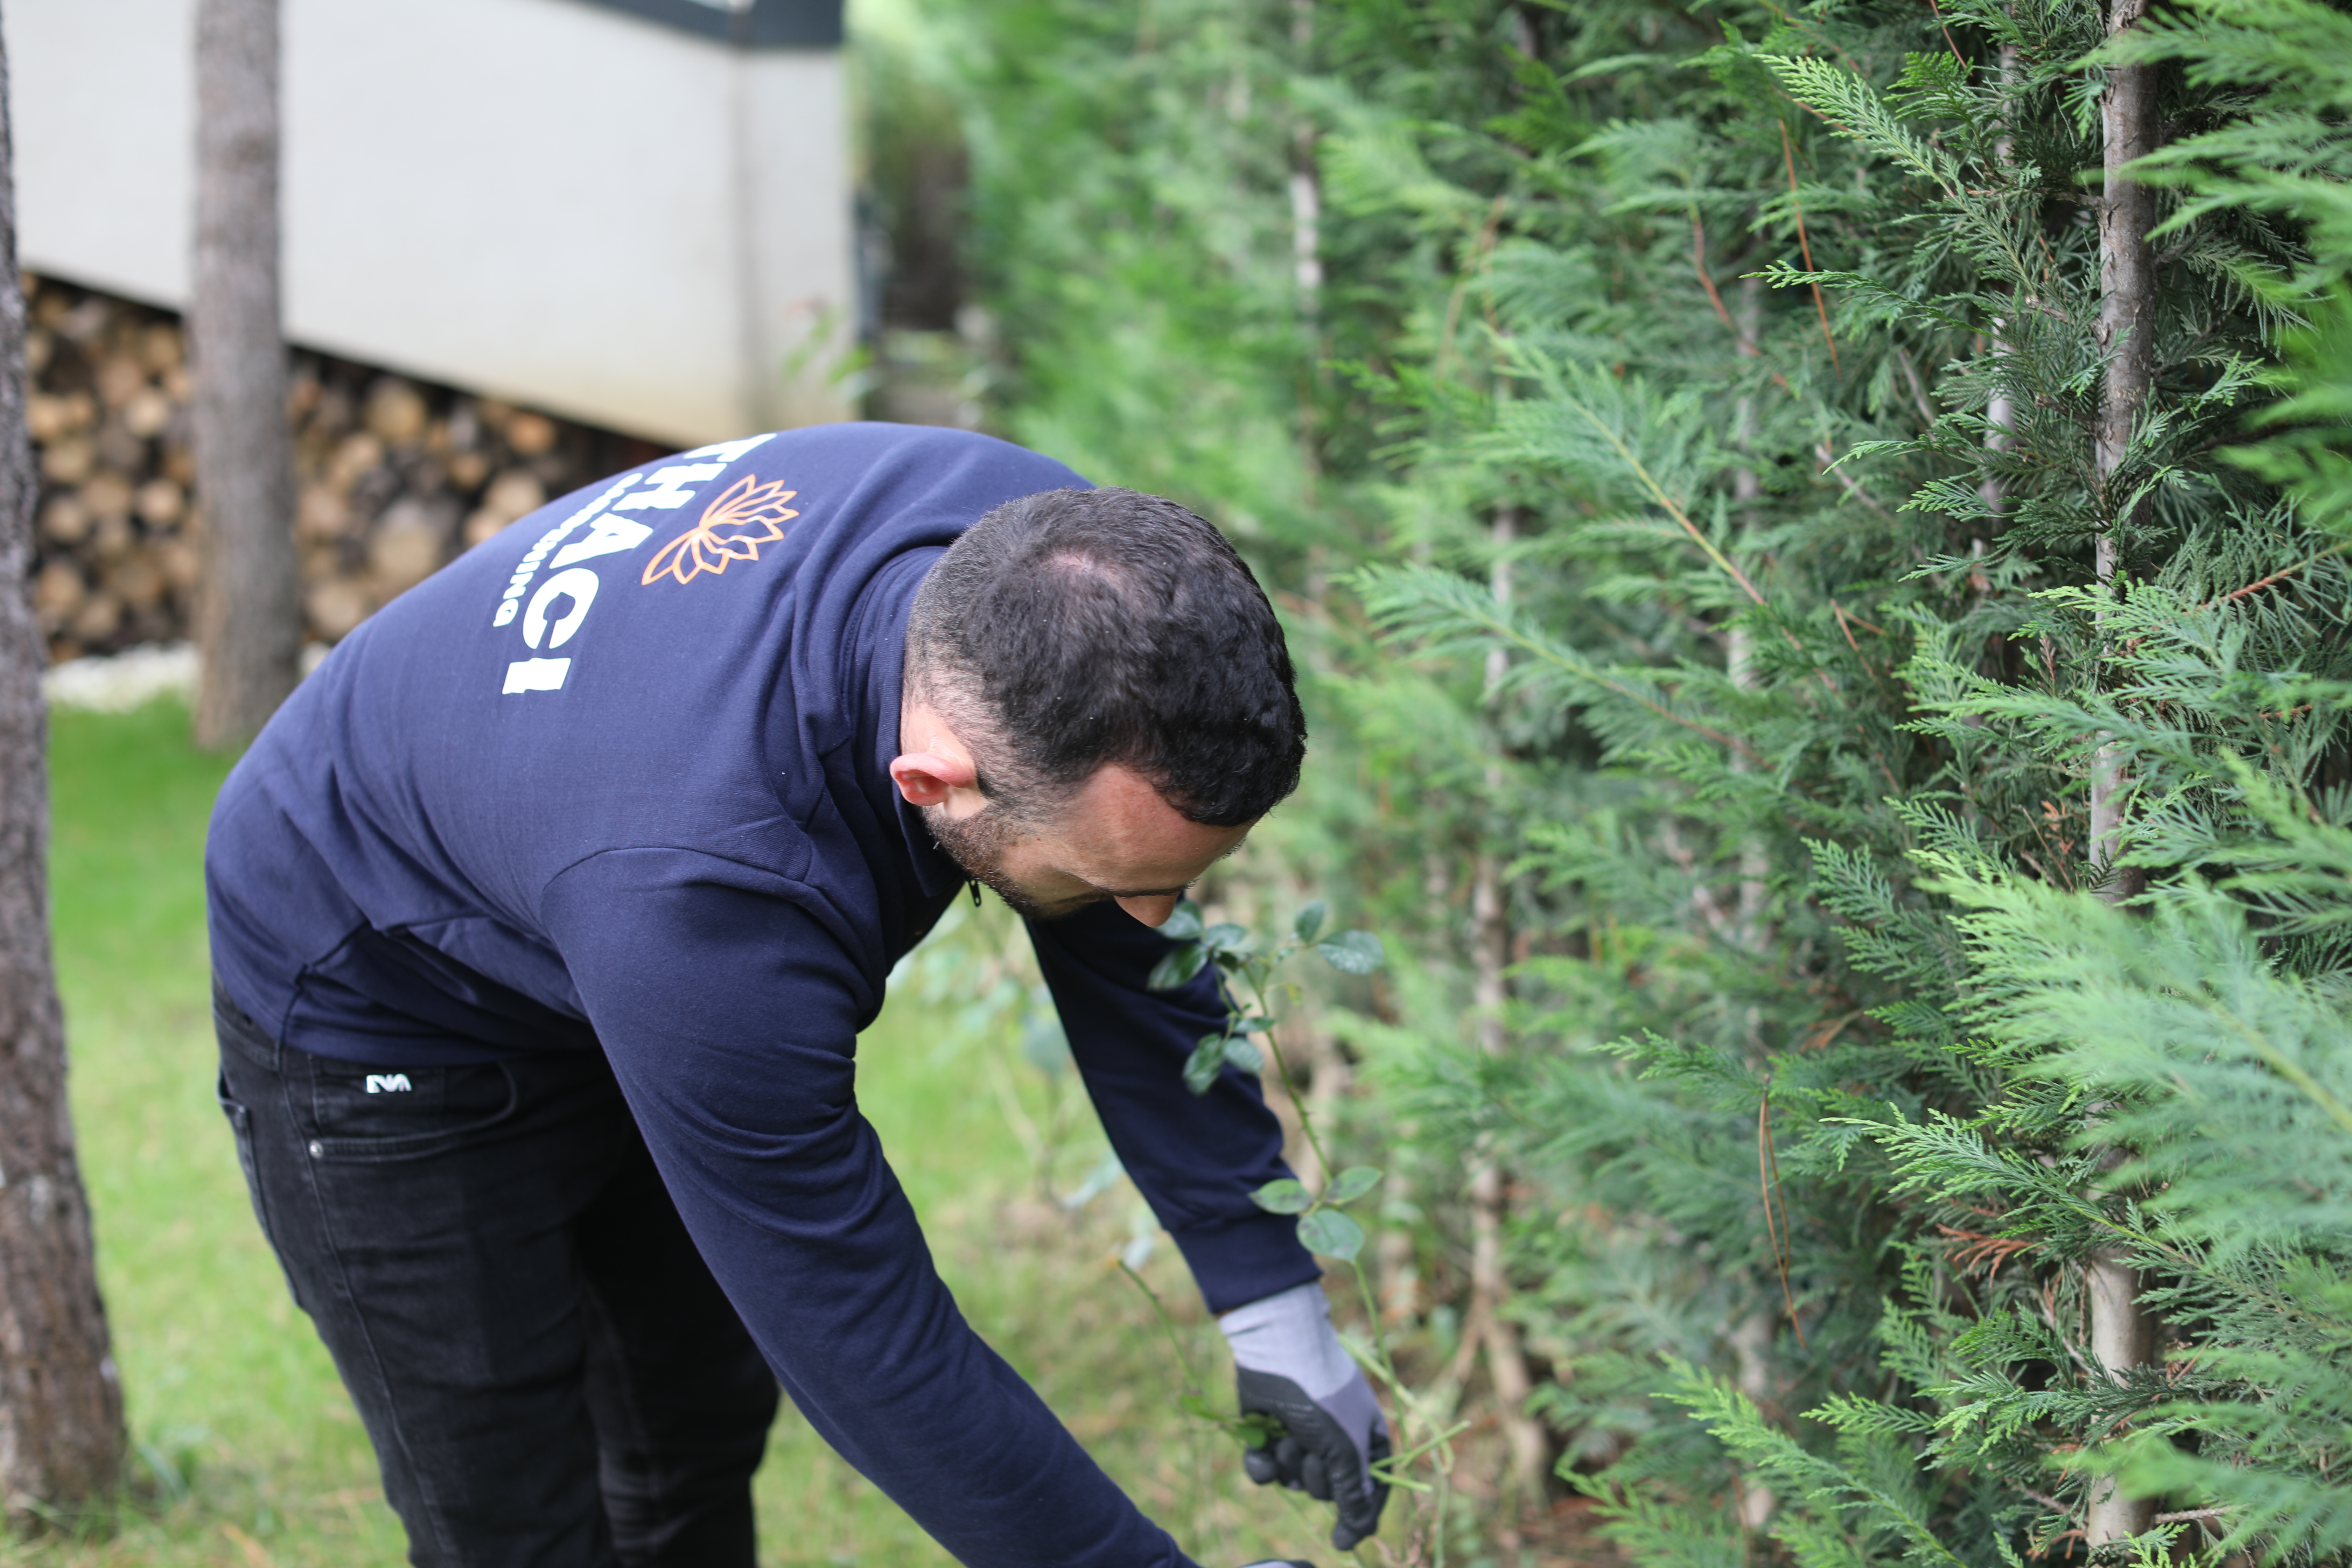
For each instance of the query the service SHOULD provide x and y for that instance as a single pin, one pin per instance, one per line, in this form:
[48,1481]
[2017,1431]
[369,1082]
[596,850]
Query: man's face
[1116,839]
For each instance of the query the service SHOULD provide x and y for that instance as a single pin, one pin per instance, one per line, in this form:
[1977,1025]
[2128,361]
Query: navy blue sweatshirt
[617,780]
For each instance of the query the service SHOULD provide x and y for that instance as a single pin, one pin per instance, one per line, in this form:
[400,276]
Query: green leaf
[1309,922]
[1183,963]
[1207,1060]
[1256,1429]
[1331,1233]
[1244,1054]
[1227,937]
[1285,1196]
[1185,925]
[1354,952]
[1351,1184]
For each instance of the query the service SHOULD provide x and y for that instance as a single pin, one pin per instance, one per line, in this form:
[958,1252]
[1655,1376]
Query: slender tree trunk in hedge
[1739,643]
[249,615]
[61,1438]
[2000,410]
[1506,1363]
[1307,243]
[2122,1332]
[2126,335]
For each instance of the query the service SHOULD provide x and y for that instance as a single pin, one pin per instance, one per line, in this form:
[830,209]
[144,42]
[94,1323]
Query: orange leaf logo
[732,528]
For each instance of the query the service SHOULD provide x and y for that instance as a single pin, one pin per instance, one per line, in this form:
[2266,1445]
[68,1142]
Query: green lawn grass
[247,1450]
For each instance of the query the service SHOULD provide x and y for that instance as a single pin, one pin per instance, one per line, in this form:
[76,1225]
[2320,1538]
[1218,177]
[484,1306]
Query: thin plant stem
[1789,154]
[1175,1342]
[1378,1340]
[1768,1170]
[1305,1120]
[1658,493]
[1419,1434]
[2278,576]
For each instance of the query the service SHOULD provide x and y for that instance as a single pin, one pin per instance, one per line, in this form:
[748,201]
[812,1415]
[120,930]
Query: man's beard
[977,844]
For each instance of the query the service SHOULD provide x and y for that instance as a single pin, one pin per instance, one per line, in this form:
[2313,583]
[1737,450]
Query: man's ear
[935,763]
[927,778]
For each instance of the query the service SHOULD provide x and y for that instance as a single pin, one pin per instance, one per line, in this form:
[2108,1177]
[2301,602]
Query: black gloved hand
[1327,1449]
[1291,1367]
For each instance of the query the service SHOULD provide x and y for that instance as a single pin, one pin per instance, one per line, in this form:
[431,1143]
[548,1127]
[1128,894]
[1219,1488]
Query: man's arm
[728,1014]
[1195,1158]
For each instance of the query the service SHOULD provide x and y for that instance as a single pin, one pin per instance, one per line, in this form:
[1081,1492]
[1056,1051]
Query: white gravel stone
[117,683]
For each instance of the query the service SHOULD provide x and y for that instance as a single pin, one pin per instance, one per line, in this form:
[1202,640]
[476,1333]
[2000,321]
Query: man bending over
[545,917]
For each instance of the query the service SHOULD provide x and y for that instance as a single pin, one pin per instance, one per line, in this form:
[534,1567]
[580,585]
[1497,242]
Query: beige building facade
[636,213]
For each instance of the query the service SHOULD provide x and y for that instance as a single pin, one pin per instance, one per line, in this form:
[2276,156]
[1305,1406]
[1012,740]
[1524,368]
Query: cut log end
[393,477]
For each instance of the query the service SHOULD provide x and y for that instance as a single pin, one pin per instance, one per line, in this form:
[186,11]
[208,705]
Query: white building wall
[535,199]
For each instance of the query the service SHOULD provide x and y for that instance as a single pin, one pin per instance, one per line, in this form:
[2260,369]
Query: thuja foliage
[1678,464]
[1978,1076]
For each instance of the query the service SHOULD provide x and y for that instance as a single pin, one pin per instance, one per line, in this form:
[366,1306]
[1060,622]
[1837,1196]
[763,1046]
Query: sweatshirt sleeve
[1196,1158]
[729,1015]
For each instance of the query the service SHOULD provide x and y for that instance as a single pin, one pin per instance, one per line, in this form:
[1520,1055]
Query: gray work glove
[1289,1364]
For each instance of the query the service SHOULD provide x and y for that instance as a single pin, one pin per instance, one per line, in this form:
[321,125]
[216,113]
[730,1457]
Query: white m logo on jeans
[387,1083]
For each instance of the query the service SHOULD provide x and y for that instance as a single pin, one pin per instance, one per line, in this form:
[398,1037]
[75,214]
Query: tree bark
[2000,410]
[1507,1365]
[1751,1337]
[1739,643]
[1307,254]
[2122,1332]
[2125,336]
[1751,1344]
[249,617]
[61,1439]
[1305,184]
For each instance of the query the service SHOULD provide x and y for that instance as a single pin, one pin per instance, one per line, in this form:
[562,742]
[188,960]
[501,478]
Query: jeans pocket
[240,1126]
[364,1112]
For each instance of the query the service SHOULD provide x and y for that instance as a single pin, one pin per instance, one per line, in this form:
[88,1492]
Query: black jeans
[547,1369]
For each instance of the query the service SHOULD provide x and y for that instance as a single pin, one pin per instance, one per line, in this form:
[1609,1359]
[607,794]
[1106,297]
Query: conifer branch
[1804,245]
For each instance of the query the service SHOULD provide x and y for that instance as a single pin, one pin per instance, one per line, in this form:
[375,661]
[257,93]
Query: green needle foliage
[1681,481]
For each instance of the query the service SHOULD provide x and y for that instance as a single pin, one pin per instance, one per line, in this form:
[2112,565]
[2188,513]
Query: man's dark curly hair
[1072,629]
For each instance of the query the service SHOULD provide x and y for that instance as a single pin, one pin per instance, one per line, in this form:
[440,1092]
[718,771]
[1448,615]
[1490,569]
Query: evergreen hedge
[1681,465]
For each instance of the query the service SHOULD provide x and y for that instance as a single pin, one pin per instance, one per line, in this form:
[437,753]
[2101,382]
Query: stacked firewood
[394,476]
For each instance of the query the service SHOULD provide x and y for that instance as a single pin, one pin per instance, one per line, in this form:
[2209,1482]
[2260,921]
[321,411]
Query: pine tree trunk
[1306,183]
[2000,410]
[2125,333]
[1507,1365]
[61,1439]
[1306,256]
[1752,1345]
[1751,1337]
[249,619]
[1739,643]
[1401,1282]
[2122,1332]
